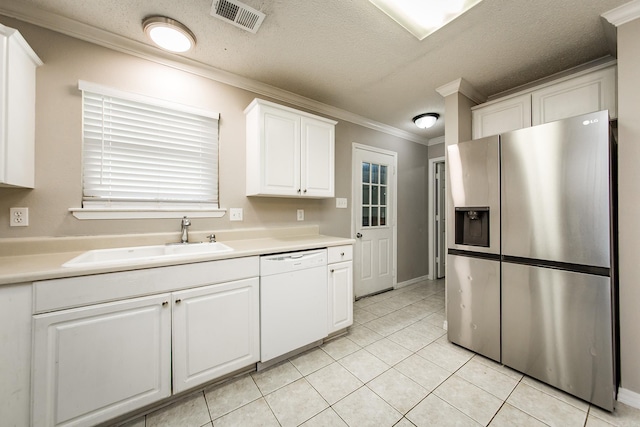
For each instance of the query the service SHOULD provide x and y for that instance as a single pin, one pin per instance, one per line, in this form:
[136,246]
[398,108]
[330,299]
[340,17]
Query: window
[374,195]
[145,154]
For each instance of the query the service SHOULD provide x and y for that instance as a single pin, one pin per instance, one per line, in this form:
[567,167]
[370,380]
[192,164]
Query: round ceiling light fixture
[426,120]
[168,34]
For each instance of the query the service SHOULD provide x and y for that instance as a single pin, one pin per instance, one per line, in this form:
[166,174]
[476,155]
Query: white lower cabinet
[93,363]
[340,288]
[216,331]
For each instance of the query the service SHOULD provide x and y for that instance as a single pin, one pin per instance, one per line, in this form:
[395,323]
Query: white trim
[145,99]
[431,229]
[28,13]
[623,14]
[354,187]
[464,87]
[411,282]
[101,213]
[628,397]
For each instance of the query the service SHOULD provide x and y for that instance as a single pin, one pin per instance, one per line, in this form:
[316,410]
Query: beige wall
[436,151]
[58,153]
[629,201]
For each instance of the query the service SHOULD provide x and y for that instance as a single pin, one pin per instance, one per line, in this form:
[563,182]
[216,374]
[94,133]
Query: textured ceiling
[350,55]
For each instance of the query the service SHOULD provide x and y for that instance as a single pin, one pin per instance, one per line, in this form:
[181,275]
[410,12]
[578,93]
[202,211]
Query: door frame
[355,186]
[431,217]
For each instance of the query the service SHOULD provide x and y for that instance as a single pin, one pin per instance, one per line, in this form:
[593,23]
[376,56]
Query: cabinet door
[503,116]
[317,154]
[94,363]
[215,331]
[280,152]
[580,95]
[340,296]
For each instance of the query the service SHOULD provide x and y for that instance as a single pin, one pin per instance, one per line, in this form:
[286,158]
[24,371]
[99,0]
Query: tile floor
[395,367]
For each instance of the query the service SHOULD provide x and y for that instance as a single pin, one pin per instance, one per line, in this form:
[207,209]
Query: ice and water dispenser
[472,226]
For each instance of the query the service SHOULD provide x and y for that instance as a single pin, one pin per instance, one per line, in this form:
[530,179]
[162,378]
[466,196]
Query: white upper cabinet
[503,116]
[584,92]
[580,95]
[18,64]
[290,153]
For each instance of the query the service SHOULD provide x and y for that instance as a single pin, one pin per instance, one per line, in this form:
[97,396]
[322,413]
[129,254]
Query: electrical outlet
[18,217]
[235,214]
[341,203]
[300,214]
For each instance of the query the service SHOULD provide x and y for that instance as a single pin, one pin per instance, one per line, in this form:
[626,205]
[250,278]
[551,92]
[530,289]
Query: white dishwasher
[293,301]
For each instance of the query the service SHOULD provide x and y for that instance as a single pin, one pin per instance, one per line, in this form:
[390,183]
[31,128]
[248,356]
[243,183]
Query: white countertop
[43,266]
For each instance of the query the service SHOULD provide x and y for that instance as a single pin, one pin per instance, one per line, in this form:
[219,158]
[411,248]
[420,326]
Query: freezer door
[473,304]
[556,327]
[555,191]
[474,186]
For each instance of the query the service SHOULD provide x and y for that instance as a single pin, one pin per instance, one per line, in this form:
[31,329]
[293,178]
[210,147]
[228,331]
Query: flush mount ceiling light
[423,17]
[426,120]
[168,33]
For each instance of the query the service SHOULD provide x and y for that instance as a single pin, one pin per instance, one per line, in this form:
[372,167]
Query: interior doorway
[374,219]
[437,218]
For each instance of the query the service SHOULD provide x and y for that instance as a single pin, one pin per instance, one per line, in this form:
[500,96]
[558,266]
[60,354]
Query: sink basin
[136,254]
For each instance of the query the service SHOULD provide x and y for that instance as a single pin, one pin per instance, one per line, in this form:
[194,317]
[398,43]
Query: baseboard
[411,282]
[445,325]
[629,398]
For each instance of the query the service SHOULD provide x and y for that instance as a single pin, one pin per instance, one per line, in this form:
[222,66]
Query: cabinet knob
[178,301]
[332,270]
[165,303]
[299,191]
[341,253]
[305,191]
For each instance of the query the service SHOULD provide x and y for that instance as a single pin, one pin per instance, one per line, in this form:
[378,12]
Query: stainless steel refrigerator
[557,255]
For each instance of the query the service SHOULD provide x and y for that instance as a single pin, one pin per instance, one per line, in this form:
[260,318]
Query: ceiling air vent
[238,14]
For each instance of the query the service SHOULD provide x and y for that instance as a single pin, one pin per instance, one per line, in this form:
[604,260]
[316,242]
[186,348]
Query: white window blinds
[139,151]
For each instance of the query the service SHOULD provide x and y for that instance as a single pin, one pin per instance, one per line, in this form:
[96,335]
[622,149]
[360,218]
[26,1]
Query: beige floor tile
[597,422]
[388,351]
[296,403]
[436,319]
[310,361]
[411,339]
[508,416]
[382,308]
[404,423]
[488,379]
[139,422]
[363,408]
[427,329]
[469,399]
[230,396]
[433,411]
[449,357]
[364,365]
[385,325]
[340,347]
[422,371]
[326,418]
[275,377]
[546,408]
[189,412]
[361,315]
[558,394]
[256,413]
[334,382]
[398,390]
[495,365]
[622,416]
[362,335]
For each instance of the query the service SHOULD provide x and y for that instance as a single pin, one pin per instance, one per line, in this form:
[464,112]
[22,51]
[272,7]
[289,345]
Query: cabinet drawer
[340,253]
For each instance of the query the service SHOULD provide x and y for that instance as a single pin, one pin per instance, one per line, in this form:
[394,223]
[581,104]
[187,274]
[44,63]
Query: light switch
[341,202]
[235,214]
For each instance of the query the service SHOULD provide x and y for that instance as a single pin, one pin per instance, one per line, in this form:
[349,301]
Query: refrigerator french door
[473,256]
[558,281]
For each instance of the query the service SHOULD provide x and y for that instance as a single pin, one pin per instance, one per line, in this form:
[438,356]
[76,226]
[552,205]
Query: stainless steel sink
[137,254]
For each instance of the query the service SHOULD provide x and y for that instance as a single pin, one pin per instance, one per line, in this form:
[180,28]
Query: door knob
[358,235]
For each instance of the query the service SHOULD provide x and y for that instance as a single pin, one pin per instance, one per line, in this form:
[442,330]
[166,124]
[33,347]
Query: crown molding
[623,14]
[464,87]
[436,141]
[81,31]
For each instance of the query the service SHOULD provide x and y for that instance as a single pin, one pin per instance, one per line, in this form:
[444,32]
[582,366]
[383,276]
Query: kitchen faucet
[184,237]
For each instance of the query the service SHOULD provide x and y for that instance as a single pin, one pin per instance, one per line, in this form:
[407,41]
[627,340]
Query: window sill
[123,213]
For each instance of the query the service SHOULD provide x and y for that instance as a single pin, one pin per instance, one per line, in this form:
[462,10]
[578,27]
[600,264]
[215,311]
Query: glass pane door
[374,195]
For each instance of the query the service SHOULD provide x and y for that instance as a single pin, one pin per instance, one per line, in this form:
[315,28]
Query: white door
[374,217]
[441,209]
[91,364]
[340,299]
[215,331]
[281,152]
